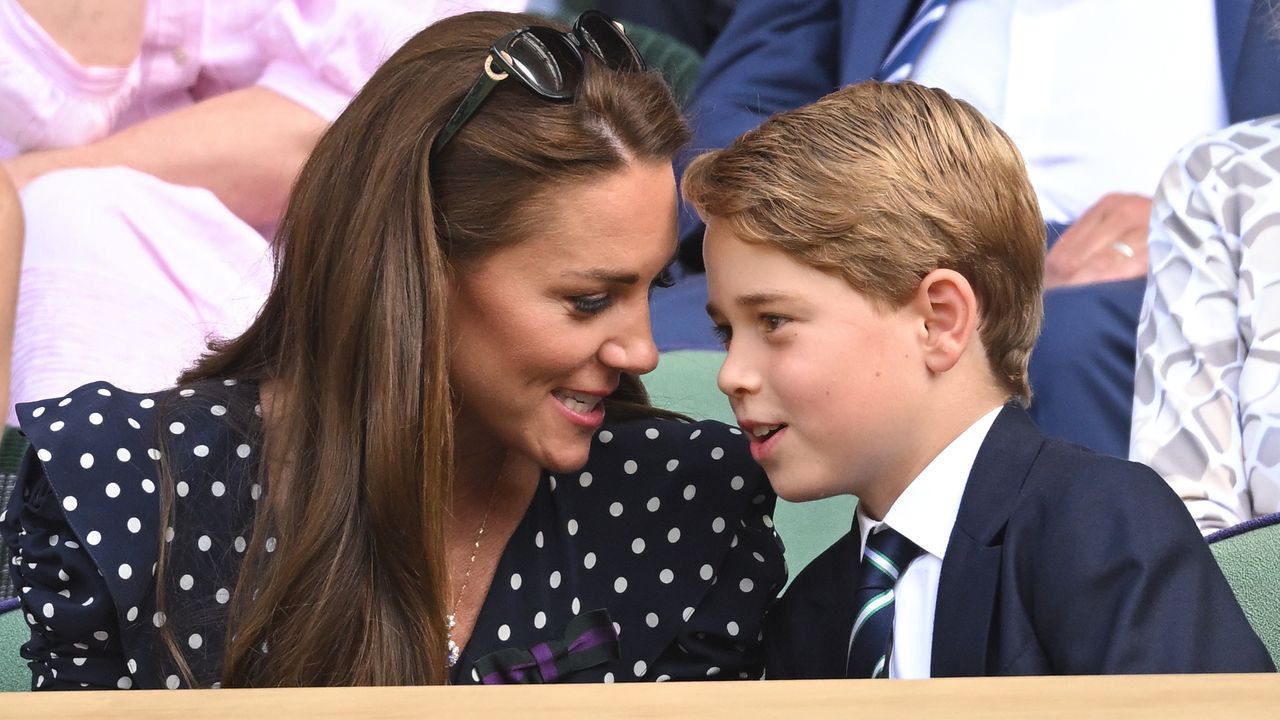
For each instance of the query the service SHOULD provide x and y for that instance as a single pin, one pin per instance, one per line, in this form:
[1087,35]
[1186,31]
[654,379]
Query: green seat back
[14,673]
[685,381]
[1251,562]
[12,448]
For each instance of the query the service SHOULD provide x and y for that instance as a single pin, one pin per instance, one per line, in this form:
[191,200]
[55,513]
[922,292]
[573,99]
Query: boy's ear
[949,309]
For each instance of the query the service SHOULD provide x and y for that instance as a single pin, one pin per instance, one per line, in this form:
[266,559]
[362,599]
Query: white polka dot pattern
[601,537]
[592,550]
[98,461]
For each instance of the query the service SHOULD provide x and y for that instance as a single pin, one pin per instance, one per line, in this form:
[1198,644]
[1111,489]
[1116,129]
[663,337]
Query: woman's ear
[949,308]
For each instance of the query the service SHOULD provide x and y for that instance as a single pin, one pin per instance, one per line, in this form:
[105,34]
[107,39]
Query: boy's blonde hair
[881,184]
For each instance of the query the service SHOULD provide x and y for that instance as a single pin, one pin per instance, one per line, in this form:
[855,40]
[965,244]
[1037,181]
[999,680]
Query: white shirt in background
[1097,94]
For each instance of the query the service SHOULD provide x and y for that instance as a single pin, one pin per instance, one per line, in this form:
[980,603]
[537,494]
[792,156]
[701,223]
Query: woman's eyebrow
[613,277]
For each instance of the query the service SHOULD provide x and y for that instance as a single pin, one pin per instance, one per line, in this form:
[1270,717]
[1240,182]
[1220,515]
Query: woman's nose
[632,350]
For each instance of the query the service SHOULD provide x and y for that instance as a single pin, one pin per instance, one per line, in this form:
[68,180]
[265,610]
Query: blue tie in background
[901,60]
[887,555]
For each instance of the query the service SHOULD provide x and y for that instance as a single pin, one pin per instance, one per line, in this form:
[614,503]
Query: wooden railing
[1165,697]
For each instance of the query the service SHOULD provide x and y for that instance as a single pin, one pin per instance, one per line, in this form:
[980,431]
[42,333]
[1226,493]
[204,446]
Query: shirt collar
[926,511]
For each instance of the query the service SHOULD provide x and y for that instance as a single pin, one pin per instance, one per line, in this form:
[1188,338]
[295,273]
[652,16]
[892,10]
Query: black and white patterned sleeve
[75,643]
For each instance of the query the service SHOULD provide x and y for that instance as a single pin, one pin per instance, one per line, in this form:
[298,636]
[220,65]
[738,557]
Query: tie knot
[887,554]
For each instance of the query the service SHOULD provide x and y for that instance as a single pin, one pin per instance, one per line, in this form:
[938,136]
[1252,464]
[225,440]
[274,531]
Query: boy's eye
[723,334]
[590,304]
[773,322]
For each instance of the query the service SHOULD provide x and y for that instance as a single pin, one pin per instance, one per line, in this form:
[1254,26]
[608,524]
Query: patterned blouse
[1206,410]
[656,561]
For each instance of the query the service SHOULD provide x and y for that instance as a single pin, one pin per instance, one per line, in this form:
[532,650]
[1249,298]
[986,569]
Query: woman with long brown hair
[429,459]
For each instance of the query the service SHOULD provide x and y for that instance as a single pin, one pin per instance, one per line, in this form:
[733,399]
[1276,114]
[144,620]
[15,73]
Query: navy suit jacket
[1062,561]
[776,55]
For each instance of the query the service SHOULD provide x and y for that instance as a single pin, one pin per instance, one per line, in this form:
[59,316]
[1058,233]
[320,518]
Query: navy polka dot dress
[656,561]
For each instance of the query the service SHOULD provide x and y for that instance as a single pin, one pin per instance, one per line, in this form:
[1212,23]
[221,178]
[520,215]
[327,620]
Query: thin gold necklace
[451,620]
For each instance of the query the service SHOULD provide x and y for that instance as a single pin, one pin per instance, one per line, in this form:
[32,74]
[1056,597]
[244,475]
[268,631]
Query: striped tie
[887,554]
[901,60]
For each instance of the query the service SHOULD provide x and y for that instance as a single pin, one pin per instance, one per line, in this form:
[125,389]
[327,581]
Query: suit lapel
[830,610]
[971,570]
[869,28]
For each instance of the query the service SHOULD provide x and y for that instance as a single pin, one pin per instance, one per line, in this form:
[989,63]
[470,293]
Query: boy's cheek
[800,479]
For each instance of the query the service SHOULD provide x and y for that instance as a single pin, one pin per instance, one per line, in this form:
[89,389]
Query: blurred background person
[1206,409]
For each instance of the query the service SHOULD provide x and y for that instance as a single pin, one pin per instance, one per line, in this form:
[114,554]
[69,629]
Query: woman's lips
[582,409]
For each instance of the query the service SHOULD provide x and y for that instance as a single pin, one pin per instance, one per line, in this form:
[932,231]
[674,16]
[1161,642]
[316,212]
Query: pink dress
[126,276]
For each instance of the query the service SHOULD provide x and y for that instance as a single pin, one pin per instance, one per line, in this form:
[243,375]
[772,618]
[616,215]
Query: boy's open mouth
[764,432]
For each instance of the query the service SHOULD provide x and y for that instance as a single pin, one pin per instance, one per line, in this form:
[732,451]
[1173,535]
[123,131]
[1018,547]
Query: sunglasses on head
[548,62]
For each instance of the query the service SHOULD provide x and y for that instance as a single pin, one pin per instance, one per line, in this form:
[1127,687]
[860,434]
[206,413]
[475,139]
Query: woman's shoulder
[1235,157]
[705,466]
[661,451]
[104,453]
[668,484]
[99,432]
[94,431]
[1242,136]
[668,528]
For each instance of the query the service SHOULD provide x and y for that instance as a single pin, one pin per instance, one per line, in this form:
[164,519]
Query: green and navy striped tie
[888,553]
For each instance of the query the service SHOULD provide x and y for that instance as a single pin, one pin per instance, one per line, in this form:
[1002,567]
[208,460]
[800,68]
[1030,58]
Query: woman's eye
[664,280]
[590,304]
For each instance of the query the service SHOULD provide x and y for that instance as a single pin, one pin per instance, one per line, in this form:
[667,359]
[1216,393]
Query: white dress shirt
[925,513]
[1097,94]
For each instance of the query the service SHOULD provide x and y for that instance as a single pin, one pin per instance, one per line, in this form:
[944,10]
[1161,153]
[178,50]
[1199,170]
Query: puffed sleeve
[74,640]
[721,638]
[320,52]
[49,100]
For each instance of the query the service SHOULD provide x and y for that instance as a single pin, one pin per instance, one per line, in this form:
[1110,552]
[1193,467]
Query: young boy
[874,265]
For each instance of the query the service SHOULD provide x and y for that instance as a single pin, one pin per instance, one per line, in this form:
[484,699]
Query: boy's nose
[736,378]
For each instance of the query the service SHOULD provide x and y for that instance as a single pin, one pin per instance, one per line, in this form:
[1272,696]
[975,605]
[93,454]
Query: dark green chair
[685,381]
[1249,555]
[15,676]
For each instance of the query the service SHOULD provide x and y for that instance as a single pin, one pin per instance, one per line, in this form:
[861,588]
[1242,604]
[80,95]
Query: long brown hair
[351,341]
